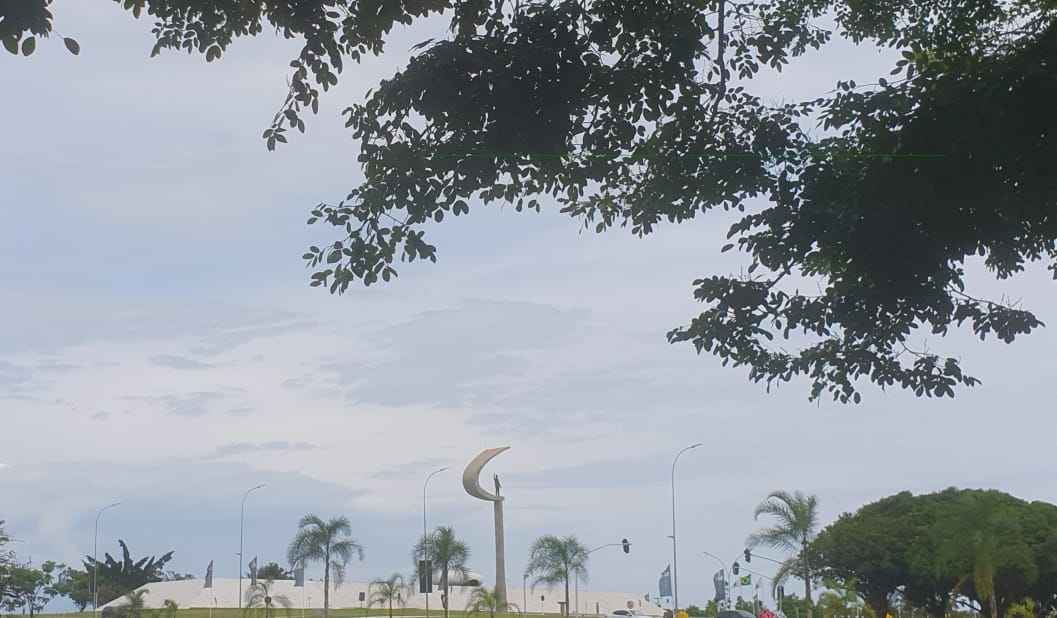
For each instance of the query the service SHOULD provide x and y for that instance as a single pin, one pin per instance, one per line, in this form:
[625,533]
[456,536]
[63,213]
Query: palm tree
[554,560]
[387,591]
[134,603]
[484,600]
[327,542]
[449,556]
[259,596]
[170,607]
[796,526]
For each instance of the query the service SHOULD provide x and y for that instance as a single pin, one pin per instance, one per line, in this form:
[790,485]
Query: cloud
[244,411]
[189,404]
[242,448]
[178,362]
[462,356]
[100,416]
[412,469]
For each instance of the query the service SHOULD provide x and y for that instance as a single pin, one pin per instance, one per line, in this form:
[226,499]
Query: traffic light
[736,568]
[748,556]
[627,546]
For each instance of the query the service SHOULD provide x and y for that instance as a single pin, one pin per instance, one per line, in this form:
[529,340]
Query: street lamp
[623,543]
[675,559]
[242,521]
[95,560]
[425,531]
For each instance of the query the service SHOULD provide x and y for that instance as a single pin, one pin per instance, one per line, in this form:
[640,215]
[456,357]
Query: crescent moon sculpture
[471,477]
[471,482]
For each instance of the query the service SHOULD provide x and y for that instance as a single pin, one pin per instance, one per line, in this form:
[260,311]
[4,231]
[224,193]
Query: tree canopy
[937,549]
[639,113]
[119,577]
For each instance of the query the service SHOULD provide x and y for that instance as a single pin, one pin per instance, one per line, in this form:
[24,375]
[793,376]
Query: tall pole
[675,558]
[425,530]
[242,521]
[524,593]
[95,560]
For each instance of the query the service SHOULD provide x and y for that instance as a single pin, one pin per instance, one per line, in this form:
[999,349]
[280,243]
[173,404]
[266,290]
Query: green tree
[76,584]
[485,601]
[555,560]
[32,588]
[327,542]
[865,553]
[7,561]
[448,555]
[117,578]
[273,571]
[796,523]
[634,115]
[982,542]
[387,592]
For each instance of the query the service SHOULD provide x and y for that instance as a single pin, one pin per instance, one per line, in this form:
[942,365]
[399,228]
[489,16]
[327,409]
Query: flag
[209,575]
[746,580]
[720,582]
[665,584]
[253,572]
[299,576]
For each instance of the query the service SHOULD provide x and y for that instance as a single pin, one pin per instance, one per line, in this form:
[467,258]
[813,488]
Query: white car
[624,613]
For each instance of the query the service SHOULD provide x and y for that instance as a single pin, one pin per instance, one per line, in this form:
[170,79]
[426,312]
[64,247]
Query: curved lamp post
[95,560]
[425,528]
[675,559]
[242,521]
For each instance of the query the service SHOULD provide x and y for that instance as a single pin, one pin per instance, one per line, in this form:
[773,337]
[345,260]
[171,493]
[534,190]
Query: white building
[225,593]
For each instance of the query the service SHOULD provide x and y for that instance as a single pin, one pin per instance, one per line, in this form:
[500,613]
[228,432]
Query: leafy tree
[795,527]
[116,578]
[485,601]
[633,115]
[7,559]
[981,541]
[555,560]
[386,592]
[448,555]
[327,542]
[76,584]
[260,597]
[273,571]
[865,554]
[33,588]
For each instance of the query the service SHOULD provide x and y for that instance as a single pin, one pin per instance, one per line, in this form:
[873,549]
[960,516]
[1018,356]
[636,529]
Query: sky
[160,346]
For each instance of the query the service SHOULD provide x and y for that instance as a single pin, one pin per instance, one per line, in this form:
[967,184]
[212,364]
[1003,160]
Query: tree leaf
[29,45]
[72,45]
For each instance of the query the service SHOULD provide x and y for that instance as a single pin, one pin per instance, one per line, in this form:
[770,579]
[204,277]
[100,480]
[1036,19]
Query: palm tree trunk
[326,584]
[807,581]
[390,608]
[994,606]
[566,595]
[444,586]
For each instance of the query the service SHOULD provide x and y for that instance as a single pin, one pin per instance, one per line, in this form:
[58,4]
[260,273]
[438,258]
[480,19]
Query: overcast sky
[160,345]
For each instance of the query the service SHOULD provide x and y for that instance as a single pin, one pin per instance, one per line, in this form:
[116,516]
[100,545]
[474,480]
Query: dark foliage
[638,113]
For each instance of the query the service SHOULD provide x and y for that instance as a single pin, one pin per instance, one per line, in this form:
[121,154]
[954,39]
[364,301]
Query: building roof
[225,593]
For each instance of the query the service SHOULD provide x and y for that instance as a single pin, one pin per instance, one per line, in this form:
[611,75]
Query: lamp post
[675,559]
[95,560]
[242,522]
[624,543]
[425,531]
